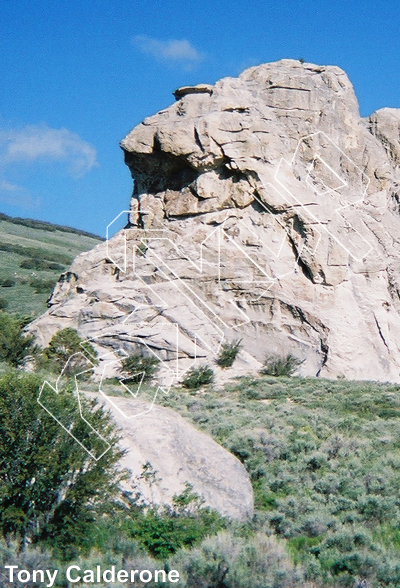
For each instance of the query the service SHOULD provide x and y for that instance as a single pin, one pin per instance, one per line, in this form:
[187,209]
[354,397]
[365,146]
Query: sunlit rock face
[264,209]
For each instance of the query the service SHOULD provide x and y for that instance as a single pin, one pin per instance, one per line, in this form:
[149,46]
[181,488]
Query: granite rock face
[264,209]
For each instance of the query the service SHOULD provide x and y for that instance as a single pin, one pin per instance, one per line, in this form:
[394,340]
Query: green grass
[26,297]
[324,460]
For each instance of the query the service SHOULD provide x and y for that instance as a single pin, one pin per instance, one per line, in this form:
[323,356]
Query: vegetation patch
[68,353]
[228,353]
[7,282]
[51,490]
[324,460]
[280,366]
[38,254]
[198,377]
[137,368]
[41,285]
[44,226]
[33,251]
[14,345]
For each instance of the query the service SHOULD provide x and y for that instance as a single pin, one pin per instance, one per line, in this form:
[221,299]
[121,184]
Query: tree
[65,344]
[140,368]
[14,345]
[51,490]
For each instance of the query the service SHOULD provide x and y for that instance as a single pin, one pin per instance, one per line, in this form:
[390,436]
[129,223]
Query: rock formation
[264,209]
[179,454]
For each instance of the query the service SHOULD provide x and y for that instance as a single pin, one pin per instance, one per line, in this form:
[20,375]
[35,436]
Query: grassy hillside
[33,254]
[324,460]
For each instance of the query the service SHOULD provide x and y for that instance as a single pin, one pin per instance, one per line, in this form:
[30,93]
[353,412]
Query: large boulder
[178,454]
[264,208]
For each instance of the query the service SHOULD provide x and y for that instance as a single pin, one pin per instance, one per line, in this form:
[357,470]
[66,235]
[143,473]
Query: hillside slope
[324,460]
[32,256]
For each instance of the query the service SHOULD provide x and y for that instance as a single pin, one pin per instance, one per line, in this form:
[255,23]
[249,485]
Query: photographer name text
[75,574]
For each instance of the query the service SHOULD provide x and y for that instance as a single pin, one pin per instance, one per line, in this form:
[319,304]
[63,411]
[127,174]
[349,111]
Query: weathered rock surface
[179,453]
[264,209]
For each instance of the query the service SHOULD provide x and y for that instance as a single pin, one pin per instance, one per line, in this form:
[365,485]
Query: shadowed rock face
[264,208]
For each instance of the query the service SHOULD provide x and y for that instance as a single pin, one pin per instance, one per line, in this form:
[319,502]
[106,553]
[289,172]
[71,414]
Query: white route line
[340,208]
[69,431]
[133,394]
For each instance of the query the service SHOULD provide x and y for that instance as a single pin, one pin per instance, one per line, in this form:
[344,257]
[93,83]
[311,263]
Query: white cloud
[173,50]
[16,195]
[42,143]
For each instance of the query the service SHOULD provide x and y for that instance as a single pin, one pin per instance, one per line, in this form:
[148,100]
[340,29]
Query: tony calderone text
[74,574]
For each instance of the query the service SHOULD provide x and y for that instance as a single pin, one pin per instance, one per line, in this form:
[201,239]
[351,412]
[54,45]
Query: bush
[3,303]
[40,264]
[227,560]
[140,368]
[7,282]
[280,366]
[65,344]
[165,530]
[41,286]
[197,377]
[31,559]
[14,345]
[228,354]
[141,249]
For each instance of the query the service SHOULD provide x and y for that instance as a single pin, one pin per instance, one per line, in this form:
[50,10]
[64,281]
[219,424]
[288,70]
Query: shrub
[7,282]
[41,286]
[65,344]
[3,303]
[141,249]
[40,264]
[140,368]
[227,560]
[197,377]
[14,345]
[228,354]
[280,366]
[164,530]
[31,559]
[162,533]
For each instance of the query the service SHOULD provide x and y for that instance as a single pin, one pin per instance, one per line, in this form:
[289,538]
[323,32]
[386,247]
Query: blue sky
[77,75]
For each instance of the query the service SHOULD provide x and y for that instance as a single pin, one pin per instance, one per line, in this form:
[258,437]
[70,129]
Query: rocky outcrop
[179,454]
[264,208]
[199,89]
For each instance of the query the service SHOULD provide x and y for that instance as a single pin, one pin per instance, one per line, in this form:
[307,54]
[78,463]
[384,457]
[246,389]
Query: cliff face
[264,208]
